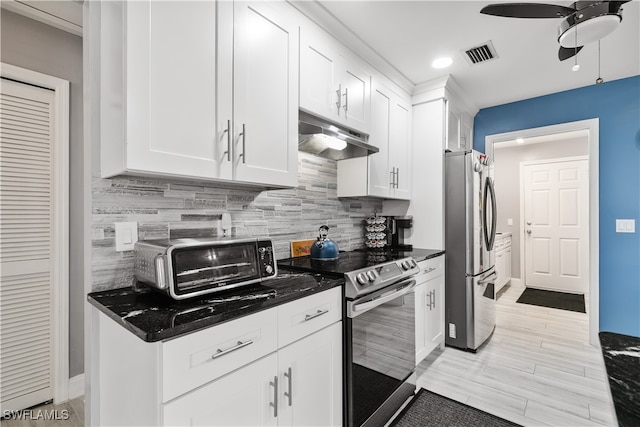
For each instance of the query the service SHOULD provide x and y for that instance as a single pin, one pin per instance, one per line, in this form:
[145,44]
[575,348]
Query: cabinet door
[507,265]
[311,380]
[500,270]
[318,75]
[421,312]
[265,94]
[356,92]
[379,170]
[242,397]
[400,149]
[435,313]
[173,123]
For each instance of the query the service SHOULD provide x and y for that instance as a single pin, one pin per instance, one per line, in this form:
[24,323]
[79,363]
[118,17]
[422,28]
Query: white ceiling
[409,35]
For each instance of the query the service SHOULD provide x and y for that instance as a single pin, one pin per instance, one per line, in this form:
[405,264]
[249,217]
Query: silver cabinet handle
[428,301]
[345,107]
[397,177]
[393,177]
[314,315]
[274,404]
[289,394]
[433,299]
[244,138]
[429,270]
[339,93]
[228,132]
[238,346]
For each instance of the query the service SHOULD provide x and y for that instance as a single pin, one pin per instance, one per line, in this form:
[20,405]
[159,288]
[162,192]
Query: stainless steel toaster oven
[184,268]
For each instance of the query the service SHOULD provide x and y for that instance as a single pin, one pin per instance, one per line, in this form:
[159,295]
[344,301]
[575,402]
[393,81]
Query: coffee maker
[399,232]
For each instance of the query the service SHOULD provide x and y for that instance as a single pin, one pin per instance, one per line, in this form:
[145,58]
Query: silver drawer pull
[274,404]
[429,270]
[230,349]
[316,314]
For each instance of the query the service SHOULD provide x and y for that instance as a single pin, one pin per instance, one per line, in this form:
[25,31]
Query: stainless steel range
[379,331]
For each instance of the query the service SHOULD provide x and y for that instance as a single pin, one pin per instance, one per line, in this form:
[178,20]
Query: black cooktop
[347,262]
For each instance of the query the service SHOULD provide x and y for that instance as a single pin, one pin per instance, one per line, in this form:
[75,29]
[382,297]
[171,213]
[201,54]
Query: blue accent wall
[617,106]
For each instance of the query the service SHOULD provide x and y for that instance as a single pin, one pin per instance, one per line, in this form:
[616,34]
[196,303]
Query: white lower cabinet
[310,380]
[295,386]
[241,398]
[503,260]
[429,307]
[281,366]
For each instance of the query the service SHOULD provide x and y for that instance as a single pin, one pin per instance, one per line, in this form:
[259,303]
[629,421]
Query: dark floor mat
[431,409]
[553,299]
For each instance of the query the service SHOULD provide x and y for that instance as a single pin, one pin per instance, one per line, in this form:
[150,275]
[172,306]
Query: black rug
[430,409]
[553,299]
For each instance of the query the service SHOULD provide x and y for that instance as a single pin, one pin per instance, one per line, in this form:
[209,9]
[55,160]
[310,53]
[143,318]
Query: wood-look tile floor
[537,369]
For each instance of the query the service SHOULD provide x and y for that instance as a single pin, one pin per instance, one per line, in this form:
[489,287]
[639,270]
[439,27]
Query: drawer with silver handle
[430,268]
[300,318]
[200,357]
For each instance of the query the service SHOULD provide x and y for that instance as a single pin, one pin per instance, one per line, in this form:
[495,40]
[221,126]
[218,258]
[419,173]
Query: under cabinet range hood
[325,139]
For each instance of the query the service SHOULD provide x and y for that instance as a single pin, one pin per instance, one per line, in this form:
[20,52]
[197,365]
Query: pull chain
[599,79]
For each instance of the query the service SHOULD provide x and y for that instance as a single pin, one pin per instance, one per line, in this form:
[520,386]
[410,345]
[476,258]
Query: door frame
[523,165]
[60,224]
[592,126]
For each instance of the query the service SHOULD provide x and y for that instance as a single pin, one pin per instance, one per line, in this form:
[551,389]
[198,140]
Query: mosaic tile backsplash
[166,208]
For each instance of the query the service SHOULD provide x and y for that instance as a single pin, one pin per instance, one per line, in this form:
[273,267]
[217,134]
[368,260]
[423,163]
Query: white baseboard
[76,386]
[516,283]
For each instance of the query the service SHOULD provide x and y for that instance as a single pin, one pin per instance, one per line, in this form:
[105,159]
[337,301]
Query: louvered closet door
[26,209]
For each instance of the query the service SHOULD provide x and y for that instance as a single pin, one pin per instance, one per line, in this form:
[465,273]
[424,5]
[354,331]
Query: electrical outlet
[509,221]
[452,330]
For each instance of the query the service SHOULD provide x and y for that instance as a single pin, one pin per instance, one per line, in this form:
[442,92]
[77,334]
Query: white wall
[507,180]
[35,46]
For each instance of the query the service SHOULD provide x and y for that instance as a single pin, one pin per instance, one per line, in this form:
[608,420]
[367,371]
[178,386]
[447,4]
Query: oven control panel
[369,279]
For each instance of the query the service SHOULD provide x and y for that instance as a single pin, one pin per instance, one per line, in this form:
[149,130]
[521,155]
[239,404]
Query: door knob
[528,222]
[528,231]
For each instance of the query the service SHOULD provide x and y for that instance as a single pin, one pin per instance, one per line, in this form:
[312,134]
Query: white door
[174,125]
[241,398]
[265,94]
[311,380]
[26,245]
[556,225]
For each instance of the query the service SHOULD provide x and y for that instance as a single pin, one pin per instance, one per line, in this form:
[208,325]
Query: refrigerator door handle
[489,238]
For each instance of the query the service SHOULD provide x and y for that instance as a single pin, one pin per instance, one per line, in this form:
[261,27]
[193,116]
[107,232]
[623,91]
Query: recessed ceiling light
[443,62]
[520,140]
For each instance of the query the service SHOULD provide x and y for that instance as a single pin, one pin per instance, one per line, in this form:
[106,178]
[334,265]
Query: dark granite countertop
[622,359]
[423,254]
[153,316]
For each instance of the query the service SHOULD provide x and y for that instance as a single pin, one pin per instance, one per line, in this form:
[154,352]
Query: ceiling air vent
[483,53]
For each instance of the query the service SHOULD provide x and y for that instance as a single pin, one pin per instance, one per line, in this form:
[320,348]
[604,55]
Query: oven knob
[268,269]
[362,278]
[372,275]
[413,263]
[405,265]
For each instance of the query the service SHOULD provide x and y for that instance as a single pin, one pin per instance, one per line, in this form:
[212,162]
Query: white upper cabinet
[459,128]
[173,121]
[209,91]
[333,84]
[387,173]
[265,94]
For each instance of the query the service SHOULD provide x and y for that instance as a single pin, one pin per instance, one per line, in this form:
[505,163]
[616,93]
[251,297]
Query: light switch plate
[126,235]
[625,225]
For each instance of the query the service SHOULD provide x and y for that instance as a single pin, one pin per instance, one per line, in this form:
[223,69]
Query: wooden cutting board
[301,247]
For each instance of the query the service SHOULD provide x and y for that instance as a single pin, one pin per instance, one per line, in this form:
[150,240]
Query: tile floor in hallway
[537,369]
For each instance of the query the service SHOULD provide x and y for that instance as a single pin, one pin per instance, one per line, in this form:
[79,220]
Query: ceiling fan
[584,21]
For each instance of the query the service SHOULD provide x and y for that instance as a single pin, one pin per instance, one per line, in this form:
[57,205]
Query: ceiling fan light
[589,31]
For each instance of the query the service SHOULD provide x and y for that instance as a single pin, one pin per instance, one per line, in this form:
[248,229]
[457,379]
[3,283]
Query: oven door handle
[360,307]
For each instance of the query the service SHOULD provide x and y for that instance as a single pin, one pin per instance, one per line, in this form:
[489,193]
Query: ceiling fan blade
[566,53]
[527,10]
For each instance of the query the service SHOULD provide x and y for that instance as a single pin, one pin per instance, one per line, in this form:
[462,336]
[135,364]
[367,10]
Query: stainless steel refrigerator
[470,231]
